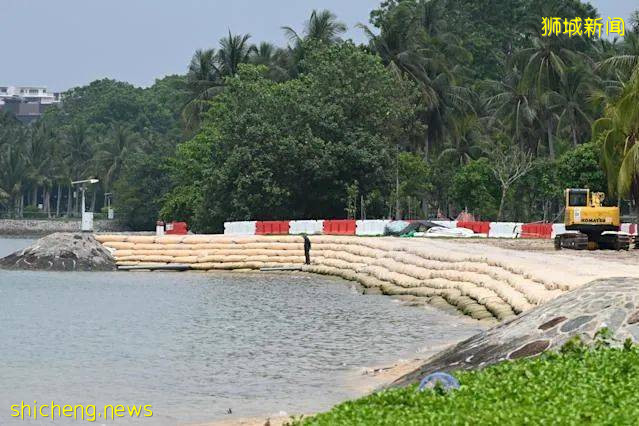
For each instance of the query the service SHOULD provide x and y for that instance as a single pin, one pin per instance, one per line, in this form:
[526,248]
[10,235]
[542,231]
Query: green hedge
[578,386]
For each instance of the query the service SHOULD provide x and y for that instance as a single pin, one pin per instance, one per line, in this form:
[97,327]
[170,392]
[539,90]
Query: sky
[65,43]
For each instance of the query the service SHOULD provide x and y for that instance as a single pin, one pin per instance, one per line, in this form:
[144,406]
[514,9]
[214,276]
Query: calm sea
[194,345]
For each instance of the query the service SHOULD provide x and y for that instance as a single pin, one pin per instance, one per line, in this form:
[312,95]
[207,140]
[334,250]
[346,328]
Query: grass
[579,385]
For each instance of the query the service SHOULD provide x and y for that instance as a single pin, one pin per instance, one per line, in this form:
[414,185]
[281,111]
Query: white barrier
[504,230]
[239,228]
[446,223]
[310,227]
[370,227]
[558,229]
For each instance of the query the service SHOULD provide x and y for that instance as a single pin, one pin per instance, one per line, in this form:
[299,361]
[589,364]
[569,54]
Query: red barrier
[476,227]
[339,227]
[176,228]
[536,230]
[274,227]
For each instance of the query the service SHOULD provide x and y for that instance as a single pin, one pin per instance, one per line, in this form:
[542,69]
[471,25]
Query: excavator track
[579,241]
[572,241]
[615,241]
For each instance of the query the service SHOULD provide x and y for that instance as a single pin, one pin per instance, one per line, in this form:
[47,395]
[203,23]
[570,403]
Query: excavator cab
[590,224]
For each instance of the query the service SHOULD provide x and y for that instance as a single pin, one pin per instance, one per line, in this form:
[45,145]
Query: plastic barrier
[504,230]
[446,223]
[630,228]
[240,228]
[275,227]
[558,229]
[370,227]
[536,230]
[476,227]
[176,228]
[339,227]
[310,227]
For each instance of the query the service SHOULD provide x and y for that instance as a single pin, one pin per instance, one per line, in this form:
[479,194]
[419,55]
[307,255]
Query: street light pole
[87,219]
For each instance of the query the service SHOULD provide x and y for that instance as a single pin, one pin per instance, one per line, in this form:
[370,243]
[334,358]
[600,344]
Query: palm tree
[412,43]
[79,148]
[625,62]
[234,50]
[568,101]
[112,152]
[39,155]
[13,169]
[276,59]
[203,81]
[619,132]
[467,137]
[206,73]
[513,104]
[322,26]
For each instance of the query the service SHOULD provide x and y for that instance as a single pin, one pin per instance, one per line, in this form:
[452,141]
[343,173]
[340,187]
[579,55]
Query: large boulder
[62,252]
[611,303]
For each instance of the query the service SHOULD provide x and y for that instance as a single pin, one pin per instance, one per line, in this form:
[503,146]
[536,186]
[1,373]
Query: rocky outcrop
[611,303]
[62,252]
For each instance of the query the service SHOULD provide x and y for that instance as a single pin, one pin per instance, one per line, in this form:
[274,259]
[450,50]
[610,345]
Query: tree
[568,102]
[618,131]
[322,26]
[475,188]
[580,168]
[291,149]
[509,166]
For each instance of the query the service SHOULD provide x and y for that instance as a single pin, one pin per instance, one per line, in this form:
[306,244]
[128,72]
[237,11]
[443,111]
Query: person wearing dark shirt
[307,249]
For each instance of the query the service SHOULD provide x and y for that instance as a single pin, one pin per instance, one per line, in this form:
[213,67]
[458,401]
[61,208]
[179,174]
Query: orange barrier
[476,227]
[176,228]
[536,230]
[275,227]
[340,227]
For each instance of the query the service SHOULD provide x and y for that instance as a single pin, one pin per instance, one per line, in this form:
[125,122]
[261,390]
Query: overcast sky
[65,43]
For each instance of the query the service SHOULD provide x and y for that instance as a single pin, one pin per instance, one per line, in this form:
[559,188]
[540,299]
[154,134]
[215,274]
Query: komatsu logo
[595,220]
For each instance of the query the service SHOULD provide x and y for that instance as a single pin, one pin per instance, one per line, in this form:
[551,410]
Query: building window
[35,91]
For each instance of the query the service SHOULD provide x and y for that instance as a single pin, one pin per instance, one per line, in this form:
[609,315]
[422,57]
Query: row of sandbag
[467,283]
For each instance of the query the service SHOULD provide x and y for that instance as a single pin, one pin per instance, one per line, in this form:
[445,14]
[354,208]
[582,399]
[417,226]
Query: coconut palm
[412,43]
[277,60]
[112,152]
[513,105]
[619,132]
[13,170]
[234,50]
[39,151]
[466,139]
[568,102]
[322,26]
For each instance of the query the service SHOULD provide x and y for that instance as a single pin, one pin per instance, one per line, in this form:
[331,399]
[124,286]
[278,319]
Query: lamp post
[87,219]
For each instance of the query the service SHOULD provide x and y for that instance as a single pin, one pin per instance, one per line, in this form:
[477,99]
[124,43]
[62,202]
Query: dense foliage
[291,149]
[578,386]
[452,105]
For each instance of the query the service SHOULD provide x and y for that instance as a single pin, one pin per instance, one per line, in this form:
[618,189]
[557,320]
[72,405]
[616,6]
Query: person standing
[307,249]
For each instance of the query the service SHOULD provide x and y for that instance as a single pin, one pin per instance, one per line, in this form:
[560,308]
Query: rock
[608,303]
[62,252]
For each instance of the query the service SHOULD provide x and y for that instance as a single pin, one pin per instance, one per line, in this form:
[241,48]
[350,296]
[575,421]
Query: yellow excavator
[590,225]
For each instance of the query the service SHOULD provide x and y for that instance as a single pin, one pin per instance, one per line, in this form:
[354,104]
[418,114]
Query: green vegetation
[450,105]
[577,386]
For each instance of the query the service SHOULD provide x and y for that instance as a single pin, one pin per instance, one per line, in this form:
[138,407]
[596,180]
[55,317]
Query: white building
[27,103]
[36,94]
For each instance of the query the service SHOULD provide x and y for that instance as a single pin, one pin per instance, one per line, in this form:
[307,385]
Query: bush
[577,386]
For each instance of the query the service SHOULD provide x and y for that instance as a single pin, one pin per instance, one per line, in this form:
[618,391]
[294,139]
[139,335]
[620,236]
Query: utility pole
[397,183]
[87,218]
